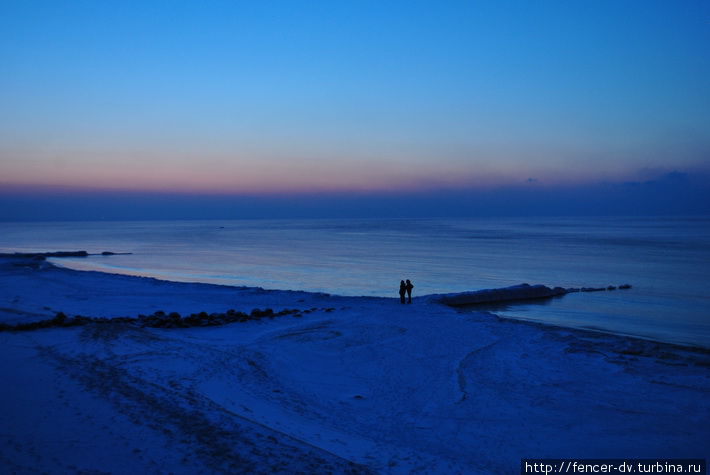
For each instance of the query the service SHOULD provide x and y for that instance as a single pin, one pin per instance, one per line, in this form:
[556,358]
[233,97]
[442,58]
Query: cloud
[672,192]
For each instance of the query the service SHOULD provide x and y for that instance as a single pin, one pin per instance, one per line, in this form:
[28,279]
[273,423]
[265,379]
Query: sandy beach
[344,385]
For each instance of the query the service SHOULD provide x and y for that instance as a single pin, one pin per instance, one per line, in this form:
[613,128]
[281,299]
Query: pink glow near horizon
[259,183]
[274,176]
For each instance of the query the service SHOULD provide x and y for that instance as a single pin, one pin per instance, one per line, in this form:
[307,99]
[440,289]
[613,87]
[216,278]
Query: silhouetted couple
[405,288]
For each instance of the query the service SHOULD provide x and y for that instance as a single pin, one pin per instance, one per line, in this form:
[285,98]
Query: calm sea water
[667,260]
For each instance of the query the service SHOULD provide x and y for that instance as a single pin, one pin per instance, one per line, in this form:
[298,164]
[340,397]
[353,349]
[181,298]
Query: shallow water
[665,259]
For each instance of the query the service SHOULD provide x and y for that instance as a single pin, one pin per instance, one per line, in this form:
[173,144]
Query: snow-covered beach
[350,384]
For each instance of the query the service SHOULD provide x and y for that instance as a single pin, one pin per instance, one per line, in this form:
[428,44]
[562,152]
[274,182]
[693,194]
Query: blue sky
[378,99]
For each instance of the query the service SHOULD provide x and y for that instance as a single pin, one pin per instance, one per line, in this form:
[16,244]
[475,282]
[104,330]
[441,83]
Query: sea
[666,260]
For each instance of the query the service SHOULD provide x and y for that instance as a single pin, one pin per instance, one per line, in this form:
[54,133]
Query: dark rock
[258,313]
[625,286]
[60,318]
[611,287]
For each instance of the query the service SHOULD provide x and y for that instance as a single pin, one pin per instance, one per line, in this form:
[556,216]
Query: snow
[371,386]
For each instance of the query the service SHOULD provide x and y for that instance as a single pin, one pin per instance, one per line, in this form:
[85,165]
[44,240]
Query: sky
[227,109]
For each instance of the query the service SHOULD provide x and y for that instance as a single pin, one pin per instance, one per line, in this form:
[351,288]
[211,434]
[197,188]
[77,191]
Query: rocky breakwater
[505,294]
[514,293]
[44,255]
[162,319]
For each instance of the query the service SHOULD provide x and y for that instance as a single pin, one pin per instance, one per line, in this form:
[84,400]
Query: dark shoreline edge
[44,255]
[37,258]
[631,345]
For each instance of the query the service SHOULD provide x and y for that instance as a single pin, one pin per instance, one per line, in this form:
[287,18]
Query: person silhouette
[409,288]
[402,291]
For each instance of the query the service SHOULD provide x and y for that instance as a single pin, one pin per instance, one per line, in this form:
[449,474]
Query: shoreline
[32,259]
[668,302]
